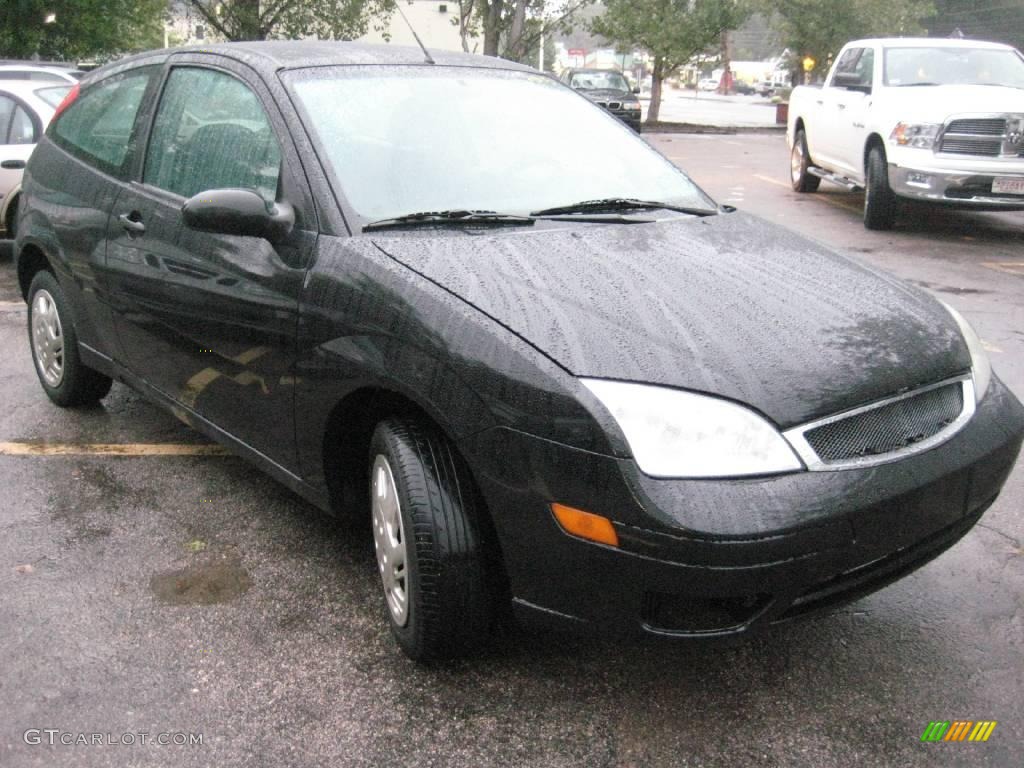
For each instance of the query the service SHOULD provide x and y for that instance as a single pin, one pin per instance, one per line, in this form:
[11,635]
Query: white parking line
[109,449]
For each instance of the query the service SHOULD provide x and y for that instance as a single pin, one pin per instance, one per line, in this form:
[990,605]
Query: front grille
[979,127]
[983,137]
[889,427]
[971,146]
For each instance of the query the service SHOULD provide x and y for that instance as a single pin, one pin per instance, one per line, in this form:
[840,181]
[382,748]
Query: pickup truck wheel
[427,542]
[51,332]
[879,200]
[799,162]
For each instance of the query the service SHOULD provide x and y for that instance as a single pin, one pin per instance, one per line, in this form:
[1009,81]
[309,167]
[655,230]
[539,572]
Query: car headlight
[917,135]
[981,368]
[673,433]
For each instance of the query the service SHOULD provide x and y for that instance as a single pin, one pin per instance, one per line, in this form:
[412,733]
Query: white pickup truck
[927,119]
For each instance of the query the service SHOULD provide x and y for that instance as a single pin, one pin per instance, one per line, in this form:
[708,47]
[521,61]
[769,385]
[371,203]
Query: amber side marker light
[585,525]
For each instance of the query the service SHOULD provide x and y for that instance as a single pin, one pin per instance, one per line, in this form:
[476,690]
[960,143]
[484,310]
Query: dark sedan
[607,88]
[404,288]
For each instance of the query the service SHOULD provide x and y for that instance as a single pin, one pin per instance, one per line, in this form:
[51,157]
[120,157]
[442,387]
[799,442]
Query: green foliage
[82,29]
[672,31]
[290,19]
[819,28]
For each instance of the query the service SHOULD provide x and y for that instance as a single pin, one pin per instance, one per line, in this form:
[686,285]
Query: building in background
[437,24]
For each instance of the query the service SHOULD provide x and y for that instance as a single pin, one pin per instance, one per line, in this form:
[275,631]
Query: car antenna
[426,53]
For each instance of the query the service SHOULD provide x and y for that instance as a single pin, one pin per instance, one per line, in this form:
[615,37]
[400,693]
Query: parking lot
[172,589]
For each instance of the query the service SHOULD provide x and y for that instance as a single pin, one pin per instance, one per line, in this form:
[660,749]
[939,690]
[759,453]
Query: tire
[799,163]
[51,335]
[11,225]
[879,199]
[437,602]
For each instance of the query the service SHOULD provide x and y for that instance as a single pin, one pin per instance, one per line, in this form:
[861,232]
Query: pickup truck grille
[984,136]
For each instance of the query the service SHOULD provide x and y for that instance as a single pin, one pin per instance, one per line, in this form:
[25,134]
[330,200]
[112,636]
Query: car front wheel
[427,542]
[65,378]
[879,199]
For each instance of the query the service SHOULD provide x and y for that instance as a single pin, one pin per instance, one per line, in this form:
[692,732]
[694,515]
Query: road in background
[704,108]
[191,593]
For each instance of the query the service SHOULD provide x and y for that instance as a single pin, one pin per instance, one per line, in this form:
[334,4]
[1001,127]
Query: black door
[210,319]
[75,186]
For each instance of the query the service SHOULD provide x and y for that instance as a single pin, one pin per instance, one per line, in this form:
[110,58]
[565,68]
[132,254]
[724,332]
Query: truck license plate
[1008,186]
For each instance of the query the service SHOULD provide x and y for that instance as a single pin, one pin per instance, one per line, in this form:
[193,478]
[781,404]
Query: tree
[998,20]
[513,29]
[819,28]
[79,29]
[265,19]
[672,32]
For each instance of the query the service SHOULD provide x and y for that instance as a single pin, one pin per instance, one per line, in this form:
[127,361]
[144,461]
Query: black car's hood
[728,304]
[606,94]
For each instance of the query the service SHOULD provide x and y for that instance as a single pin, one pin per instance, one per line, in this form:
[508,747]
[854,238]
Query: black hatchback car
[582,389]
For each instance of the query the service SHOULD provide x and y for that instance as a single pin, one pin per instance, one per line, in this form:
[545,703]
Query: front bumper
[962,188]
[701,558]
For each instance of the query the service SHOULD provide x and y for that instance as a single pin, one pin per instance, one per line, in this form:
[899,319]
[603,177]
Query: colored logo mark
[958,730]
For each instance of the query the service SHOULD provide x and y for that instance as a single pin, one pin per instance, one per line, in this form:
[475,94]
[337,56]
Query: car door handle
[13,165]
[841,106]
[819,102]
[131,223]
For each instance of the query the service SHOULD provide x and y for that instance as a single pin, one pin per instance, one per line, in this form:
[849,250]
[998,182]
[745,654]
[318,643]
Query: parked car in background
[934,120]
[26,107]
[607,88]
[707,84]
[542,364]
[39,73]
[742,87]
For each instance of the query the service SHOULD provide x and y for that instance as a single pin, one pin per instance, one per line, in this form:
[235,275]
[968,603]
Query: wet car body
[289,352]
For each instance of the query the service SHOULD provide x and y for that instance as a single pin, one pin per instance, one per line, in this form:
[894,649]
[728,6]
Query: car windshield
[596,81]
[953,66]
[401,140]
[53,96]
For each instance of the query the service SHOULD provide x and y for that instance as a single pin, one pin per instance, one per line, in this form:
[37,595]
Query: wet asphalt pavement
[194,595]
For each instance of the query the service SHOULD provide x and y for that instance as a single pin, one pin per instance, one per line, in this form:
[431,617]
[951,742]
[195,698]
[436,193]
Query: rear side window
[211,132]
[97,127]
[23,130]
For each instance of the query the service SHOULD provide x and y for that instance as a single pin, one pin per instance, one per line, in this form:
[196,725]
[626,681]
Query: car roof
[27,88]
[268,56]
[929,42]
[63,72]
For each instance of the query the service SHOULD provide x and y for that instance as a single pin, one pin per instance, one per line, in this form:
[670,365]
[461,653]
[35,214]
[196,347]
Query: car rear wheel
[427,541]
[51,332]
[879,199]
[800,163]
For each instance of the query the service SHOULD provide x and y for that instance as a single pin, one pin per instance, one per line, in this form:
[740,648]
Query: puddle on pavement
[204,582]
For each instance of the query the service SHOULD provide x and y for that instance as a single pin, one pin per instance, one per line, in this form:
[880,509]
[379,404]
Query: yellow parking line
[109,449]
[770,180]
[1011,267]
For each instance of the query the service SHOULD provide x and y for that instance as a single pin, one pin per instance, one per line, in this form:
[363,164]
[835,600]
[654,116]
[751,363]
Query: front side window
[401,140]
[211,132]
[98,125]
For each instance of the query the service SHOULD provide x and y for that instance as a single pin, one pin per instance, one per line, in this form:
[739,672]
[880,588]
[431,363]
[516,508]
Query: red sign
[577,51]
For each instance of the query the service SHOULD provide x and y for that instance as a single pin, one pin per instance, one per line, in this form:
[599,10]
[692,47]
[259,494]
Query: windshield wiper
[448,217]
[620,204]
[912,85]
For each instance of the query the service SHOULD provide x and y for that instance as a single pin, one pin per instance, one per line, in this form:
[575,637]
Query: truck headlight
[673,433]
[917,135]
[981,368]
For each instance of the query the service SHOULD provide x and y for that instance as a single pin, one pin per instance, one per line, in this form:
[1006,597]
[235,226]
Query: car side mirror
[851,81]
[238,212]
[637,89]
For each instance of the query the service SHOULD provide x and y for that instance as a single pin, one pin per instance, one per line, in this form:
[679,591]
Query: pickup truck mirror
[238,212]
[850,81]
